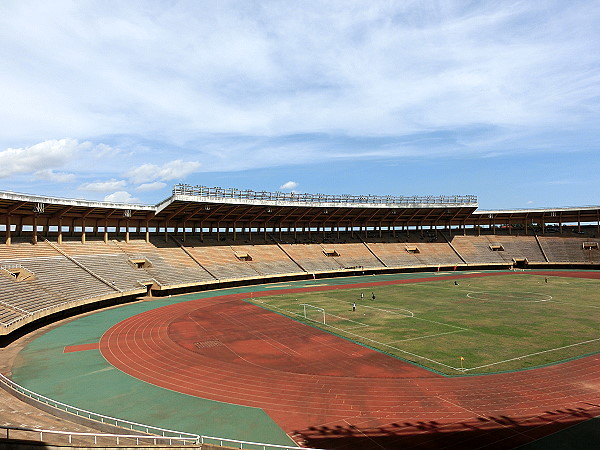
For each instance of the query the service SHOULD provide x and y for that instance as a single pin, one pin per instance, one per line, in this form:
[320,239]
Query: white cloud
[121,197]
[387,67]
[106,151]
[170,171]
[38,157]
[157,185]
[57,177]
[103,186]
[289,185]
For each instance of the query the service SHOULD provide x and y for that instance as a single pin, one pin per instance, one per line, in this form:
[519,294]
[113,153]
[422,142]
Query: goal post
[313,313]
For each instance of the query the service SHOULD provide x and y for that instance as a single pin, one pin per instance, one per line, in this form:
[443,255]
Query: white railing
[117,438]
[222,193]
[162,434]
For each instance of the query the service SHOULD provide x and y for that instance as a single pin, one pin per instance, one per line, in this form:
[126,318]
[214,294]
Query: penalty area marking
[500,297]
[359,337]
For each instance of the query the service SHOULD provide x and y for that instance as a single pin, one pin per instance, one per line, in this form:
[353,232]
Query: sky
[120,101]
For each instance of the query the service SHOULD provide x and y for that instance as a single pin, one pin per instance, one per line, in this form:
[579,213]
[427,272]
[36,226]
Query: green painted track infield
[500,323]
[84,379]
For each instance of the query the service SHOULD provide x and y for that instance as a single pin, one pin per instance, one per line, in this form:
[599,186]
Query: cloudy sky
[122,100]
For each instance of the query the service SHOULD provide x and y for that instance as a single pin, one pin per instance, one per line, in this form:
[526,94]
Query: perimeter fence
[148,433]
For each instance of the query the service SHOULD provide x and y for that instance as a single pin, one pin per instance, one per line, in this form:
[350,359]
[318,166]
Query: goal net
[313,313]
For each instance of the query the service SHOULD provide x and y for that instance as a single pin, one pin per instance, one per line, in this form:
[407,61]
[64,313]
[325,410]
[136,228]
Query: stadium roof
[200,204]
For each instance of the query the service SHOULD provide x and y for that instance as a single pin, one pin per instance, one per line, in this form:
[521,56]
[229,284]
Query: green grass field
[496,323]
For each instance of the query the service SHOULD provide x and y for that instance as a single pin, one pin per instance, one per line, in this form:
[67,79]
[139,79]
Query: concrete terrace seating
[354,255]
[267,259]
[518,247]
[57,281]
[23,248]
[476,250]
[569,249]
[219,259]
[65,279]
[24,297]
[312,258]
[115,269]
[92,246]
[399,251]
[7,315]
[106,260]
[170,265]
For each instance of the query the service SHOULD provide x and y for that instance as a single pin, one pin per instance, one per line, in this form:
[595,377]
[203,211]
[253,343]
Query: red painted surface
[81,347]
[333,393]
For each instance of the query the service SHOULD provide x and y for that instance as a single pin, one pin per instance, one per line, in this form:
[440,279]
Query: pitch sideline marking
[428,336]
[533,354]
[573,304]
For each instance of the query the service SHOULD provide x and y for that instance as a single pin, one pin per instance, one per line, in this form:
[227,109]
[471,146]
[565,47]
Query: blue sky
[122,100]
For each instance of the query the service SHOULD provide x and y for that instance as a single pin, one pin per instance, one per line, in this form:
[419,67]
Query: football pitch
[480,325]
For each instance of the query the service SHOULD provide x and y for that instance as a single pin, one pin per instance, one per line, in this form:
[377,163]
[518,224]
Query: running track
[327,392]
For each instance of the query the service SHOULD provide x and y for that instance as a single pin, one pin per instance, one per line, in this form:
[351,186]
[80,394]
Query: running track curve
[328,392]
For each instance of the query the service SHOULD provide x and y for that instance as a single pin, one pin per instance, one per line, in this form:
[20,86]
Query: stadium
[247,319]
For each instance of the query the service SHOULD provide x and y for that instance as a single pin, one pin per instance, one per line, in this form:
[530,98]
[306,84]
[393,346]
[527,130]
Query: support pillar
[83,231]
[59,238]
[34,238]
[8,230]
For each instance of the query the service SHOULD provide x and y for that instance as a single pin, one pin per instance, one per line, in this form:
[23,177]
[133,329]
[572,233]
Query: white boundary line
[533,354]
[510,294]
[358,336]
[395,348]
[574,304]
[427,336]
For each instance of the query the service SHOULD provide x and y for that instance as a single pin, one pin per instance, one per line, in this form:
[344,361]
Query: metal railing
[117,438]
[232,193]
[153,432]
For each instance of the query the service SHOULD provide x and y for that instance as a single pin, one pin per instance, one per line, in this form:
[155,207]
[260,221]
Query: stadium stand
[571,249]
[168,264]
[311,257]
[477,250]
[220,260]
[411,250]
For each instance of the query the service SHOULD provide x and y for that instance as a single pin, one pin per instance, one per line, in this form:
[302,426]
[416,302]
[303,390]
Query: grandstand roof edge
[537,210]
[7,195]
[241,201]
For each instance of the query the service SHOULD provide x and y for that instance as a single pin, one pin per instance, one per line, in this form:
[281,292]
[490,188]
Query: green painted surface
[84,379]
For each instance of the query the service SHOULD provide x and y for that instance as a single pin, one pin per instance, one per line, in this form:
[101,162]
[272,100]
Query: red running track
[328,392]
